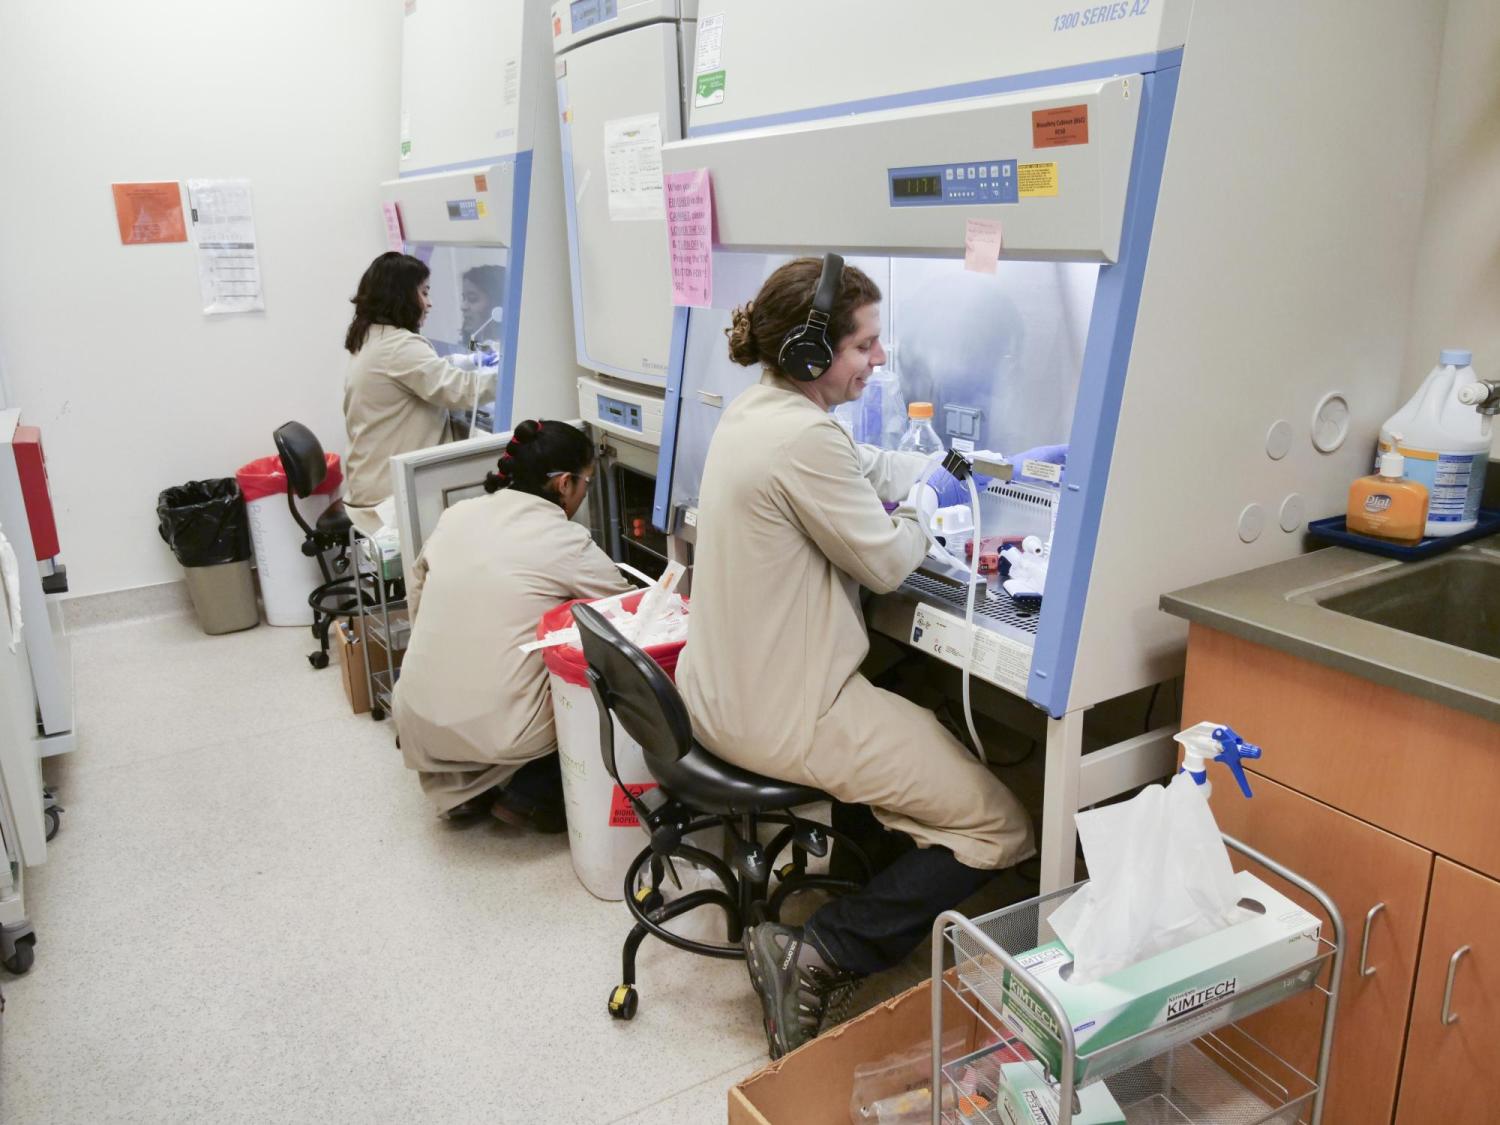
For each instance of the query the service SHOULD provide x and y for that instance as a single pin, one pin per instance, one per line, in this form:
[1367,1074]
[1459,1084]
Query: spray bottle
[1214,742]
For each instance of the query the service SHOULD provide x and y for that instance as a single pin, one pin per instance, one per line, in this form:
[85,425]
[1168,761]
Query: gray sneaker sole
[770,1015]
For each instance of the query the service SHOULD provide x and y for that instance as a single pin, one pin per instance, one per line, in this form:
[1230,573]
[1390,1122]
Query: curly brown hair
[760,326]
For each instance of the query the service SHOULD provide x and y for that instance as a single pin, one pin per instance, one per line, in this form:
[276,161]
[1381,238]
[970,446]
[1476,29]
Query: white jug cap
[1458,357]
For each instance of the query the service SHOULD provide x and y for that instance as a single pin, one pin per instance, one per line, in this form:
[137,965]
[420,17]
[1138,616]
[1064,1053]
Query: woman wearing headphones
[473,712]
[790,525]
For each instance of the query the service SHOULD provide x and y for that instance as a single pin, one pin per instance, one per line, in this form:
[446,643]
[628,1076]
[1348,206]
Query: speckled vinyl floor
[250,915]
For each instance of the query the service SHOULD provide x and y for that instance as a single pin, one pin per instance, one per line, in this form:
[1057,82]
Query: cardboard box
[812,1085]
[351,657]
[1171,989]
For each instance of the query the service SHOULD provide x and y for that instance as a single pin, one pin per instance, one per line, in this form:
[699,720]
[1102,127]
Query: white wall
[1456,302]
[105,346]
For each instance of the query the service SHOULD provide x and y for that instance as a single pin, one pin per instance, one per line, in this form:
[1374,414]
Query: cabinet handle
[1449,1019]
[1364,948]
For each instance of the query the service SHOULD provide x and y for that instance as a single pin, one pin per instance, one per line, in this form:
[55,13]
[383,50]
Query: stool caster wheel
[22,953]
[318,659]
[378,714]
[623,1001]
[786,871]
[54,822]
[648,899]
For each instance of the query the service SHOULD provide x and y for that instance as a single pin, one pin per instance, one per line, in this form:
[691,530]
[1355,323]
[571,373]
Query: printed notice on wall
[709,44]
[149,213]
[394,239]
[224,229]
[512,87]
[982,241]
[632,163]
[690,225]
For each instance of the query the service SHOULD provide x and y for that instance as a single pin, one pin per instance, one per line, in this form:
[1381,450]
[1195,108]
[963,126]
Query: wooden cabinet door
[1358,866]
[1451,1073]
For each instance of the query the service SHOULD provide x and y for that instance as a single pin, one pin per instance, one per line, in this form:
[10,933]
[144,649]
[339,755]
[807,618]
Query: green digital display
[916,187]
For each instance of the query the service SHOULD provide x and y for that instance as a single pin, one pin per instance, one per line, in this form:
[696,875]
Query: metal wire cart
[1204,1069]
[385,624]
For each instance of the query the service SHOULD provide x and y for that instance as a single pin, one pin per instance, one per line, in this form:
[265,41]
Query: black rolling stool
[695,791]
[336,596]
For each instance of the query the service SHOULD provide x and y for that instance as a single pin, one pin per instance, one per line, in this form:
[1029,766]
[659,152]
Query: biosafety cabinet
[621,72]
[1208,215]
[478,194]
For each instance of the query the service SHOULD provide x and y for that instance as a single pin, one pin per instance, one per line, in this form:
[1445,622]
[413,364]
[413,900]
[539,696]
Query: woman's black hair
[387,294]
[538,448]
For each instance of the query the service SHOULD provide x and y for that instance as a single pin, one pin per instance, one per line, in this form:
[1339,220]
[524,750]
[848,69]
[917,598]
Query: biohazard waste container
[287,576]
[204,523]
[603,832]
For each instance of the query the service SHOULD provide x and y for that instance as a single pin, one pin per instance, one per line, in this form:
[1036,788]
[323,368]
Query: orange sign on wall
[1065,125]
[149,213]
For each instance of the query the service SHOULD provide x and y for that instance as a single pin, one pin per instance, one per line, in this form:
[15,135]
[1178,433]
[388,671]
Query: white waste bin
[287,576]
[604,834]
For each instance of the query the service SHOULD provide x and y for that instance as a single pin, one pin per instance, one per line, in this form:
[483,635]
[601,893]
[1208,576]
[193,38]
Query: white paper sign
[632,161]
[710,44]
[224,229]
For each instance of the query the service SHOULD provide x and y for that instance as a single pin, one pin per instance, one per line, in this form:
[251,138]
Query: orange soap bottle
[1387,506]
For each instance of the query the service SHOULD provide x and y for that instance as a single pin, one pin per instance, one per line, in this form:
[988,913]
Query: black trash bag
[204,522]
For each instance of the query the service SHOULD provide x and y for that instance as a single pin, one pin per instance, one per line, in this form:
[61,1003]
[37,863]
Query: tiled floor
[251,915]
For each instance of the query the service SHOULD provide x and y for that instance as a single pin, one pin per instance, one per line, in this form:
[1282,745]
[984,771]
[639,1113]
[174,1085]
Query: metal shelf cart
[1206,1069]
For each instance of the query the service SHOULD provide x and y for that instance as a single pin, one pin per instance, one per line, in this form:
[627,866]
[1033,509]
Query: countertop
[1274,606]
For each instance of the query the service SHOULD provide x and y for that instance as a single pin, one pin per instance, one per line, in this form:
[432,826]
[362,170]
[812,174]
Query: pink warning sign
[690,225]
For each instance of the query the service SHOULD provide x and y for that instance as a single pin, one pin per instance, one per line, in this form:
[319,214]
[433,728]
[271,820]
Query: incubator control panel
[584,14]
[938,185]
[626,414]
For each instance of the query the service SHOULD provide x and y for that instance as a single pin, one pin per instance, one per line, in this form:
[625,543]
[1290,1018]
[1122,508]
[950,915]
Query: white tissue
[1159,877]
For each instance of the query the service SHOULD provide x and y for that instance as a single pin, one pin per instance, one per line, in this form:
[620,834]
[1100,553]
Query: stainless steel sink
[1454,599]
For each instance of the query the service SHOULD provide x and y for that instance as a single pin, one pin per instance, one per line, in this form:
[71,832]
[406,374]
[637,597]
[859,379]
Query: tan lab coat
[790,526]
[471,708]
[397,394]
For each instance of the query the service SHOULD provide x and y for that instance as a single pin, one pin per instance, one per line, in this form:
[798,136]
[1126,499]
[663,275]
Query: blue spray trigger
[1232,750]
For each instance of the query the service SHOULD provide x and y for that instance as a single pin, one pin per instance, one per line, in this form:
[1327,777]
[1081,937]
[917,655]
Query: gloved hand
[949,489]
[489,359]
[1050,454]
[472,361]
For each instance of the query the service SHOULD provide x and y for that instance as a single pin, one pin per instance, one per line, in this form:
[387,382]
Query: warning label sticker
[621,815]
[1065,125]
[1036,179]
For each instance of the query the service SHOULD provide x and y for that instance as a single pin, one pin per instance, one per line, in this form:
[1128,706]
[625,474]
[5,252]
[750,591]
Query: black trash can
[204,523]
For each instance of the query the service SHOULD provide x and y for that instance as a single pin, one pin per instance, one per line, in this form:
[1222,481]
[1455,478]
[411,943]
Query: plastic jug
[882,407]
[1446,444]
[920,437]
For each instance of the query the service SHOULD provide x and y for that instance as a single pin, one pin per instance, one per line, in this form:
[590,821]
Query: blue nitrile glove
[489,359]
[949,489]
[1051,454]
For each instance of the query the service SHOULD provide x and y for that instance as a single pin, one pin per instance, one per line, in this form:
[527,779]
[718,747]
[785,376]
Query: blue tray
[1334,530]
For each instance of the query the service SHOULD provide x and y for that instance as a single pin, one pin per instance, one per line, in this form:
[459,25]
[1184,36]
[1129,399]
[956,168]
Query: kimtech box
[1273,937]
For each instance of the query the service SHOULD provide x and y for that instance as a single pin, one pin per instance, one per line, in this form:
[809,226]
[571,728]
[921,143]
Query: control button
[971,172]
[984,173]
[948,173]
[994,170]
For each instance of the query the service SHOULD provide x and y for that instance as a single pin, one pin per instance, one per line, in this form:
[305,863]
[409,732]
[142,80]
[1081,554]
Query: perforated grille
[952,596]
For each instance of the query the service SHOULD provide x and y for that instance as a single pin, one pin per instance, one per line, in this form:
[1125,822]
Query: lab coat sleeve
[838,507]
[415,578]
[890,472]
[591,572]
[433,379]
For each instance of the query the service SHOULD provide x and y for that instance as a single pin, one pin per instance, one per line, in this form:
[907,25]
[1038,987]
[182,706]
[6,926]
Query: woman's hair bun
[526,432]
[743,349]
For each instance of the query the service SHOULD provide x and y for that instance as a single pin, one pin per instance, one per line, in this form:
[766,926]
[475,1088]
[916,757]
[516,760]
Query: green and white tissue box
[1272,937]
[1026,1098]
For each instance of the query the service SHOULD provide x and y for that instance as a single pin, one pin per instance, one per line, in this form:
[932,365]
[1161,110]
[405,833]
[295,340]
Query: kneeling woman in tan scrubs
[473,712]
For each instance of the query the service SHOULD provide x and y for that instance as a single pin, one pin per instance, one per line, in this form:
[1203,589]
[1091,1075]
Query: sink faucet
[1483,396]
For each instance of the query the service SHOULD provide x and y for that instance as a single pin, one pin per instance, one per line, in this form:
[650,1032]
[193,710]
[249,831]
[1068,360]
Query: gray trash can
[204,523]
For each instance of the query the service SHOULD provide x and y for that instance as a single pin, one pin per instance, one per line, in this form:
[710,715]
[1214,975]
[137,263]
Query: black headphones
[806,353]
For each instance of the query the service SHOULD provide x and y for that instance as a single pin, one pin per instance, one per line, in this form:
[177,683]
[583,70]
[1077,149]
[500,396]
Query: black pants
[539,781]
[876,927]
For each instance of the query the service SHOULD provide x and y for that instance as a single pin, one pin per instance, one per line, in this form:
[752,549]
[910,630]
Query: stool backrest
[301,458]
[630,684]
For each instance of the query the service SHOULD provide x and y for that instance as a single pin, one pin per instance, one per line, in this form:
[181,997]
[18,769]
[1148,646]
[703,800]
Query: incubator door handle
[1366,969]
[1449,1018]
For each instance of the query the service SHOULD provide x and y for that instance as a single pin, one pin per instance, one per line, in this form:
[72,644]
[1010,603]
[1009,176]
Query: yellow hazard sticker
[483,210]
[1036,179]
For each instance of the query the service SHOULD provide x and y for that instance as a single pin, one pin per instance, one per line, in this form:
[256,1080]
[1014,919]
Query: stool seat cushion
[334,521]
[709,784]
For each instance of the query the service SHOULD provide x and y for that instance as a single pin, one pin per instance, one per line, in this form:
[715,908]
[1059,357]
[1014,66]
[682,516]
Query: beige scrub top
[397,394]
[470,707]
[790,526]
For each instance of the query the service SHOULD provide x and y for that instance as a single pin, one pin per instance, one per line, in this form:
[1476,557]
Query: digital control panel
[586,13]
[627,414]
[938,185]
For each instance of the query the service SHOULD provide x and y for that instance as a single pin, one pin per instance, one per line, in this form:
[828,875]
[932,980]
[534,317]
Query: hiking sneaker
[794,983]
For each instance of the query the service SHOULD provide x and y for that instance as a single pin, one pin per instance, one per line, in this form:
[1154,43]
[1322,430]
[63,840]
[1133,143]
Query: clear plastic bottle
[882,411]
[920,437]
